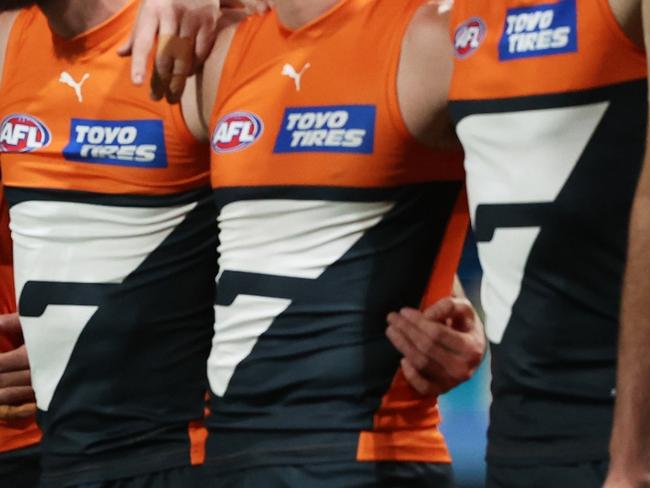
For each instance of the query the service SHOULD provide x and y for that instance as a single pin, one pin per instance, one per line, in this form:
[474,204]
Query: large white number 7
[532,161]
[266,242]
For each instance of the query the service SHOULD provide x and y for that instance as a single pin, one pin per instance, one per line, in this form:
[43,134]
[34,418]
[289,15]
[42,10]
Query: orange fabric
[23,433]
[35,54]
[602,47]
[397,158]
[108,94]
[198,436]
[449,256]
[366,34]
[394,436]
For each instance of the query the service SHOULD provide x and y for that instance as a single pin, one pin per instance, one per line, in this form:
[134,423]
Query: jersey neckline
[328,21]
[99,34]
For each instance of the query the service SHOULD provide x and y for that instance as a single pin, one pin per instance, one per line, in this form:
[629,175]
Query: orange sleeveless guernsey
[114,248]
[20,433]
[331,216]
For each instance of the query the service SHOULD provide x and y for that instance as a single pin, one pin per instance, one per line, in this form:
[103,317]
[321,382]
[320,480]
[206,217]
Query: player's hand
[442,346]
[186,31]
[16,393]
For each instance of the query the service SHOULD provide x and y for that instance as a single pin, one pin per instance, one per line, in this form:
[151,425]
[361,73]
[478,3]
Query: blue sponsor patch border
[149,132]
[564,15]
[360,117]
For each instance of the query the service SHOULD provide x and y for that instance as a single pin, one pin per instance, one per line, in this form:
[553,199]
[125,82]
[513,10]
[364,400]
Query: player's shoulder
[427,37]
[213,68]
[7,20]
[630,19]
[426,47]
[430,20]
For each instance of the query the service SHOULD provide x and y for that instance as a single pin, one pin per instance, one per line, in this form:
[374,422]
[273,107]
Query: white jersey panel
[531,163]
[288,238]
[77,243]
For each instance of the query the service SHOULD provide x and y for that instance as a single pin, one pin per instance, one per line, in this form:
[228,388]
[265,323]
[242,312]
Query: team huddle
[247,278]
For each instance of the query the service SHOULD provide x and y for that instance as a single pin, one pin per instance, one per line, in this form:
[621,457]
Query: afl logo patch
[21,133]
[468,37]
[236,131]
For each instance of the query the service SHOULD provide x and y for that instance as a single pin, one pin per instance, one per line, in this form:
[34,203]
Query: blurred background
[465,409]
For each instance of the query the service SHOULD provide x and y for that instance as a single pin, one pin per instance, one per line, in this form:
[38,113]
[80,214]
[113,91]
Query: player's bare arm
[208,79]
[424,77]
[436,357]
[630,444]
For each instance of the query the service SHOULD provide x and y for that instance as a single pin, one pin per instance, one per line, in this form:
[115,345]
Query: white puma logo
[444,5]
[290,71]
[67,79]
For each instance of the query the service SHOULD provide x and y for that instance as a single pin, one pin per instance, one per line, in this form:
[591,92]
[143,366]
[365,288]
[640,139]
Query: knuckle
[400,323]
[434,334]
[461,375]
[209,15]
[475,358]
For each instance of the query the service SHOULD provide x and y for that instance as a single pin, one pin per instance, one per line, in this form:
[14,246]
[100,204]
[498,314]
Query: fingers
[456,312]
[441,356]
[15,360]
[232,4]
[140,45]
[16,378]
[16,395]
[257,6]
[404,343]
[205,39]
[427,334]
[12,413]
[164,62]
[186,34]
[10,325]
[183,67]
[419,383]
